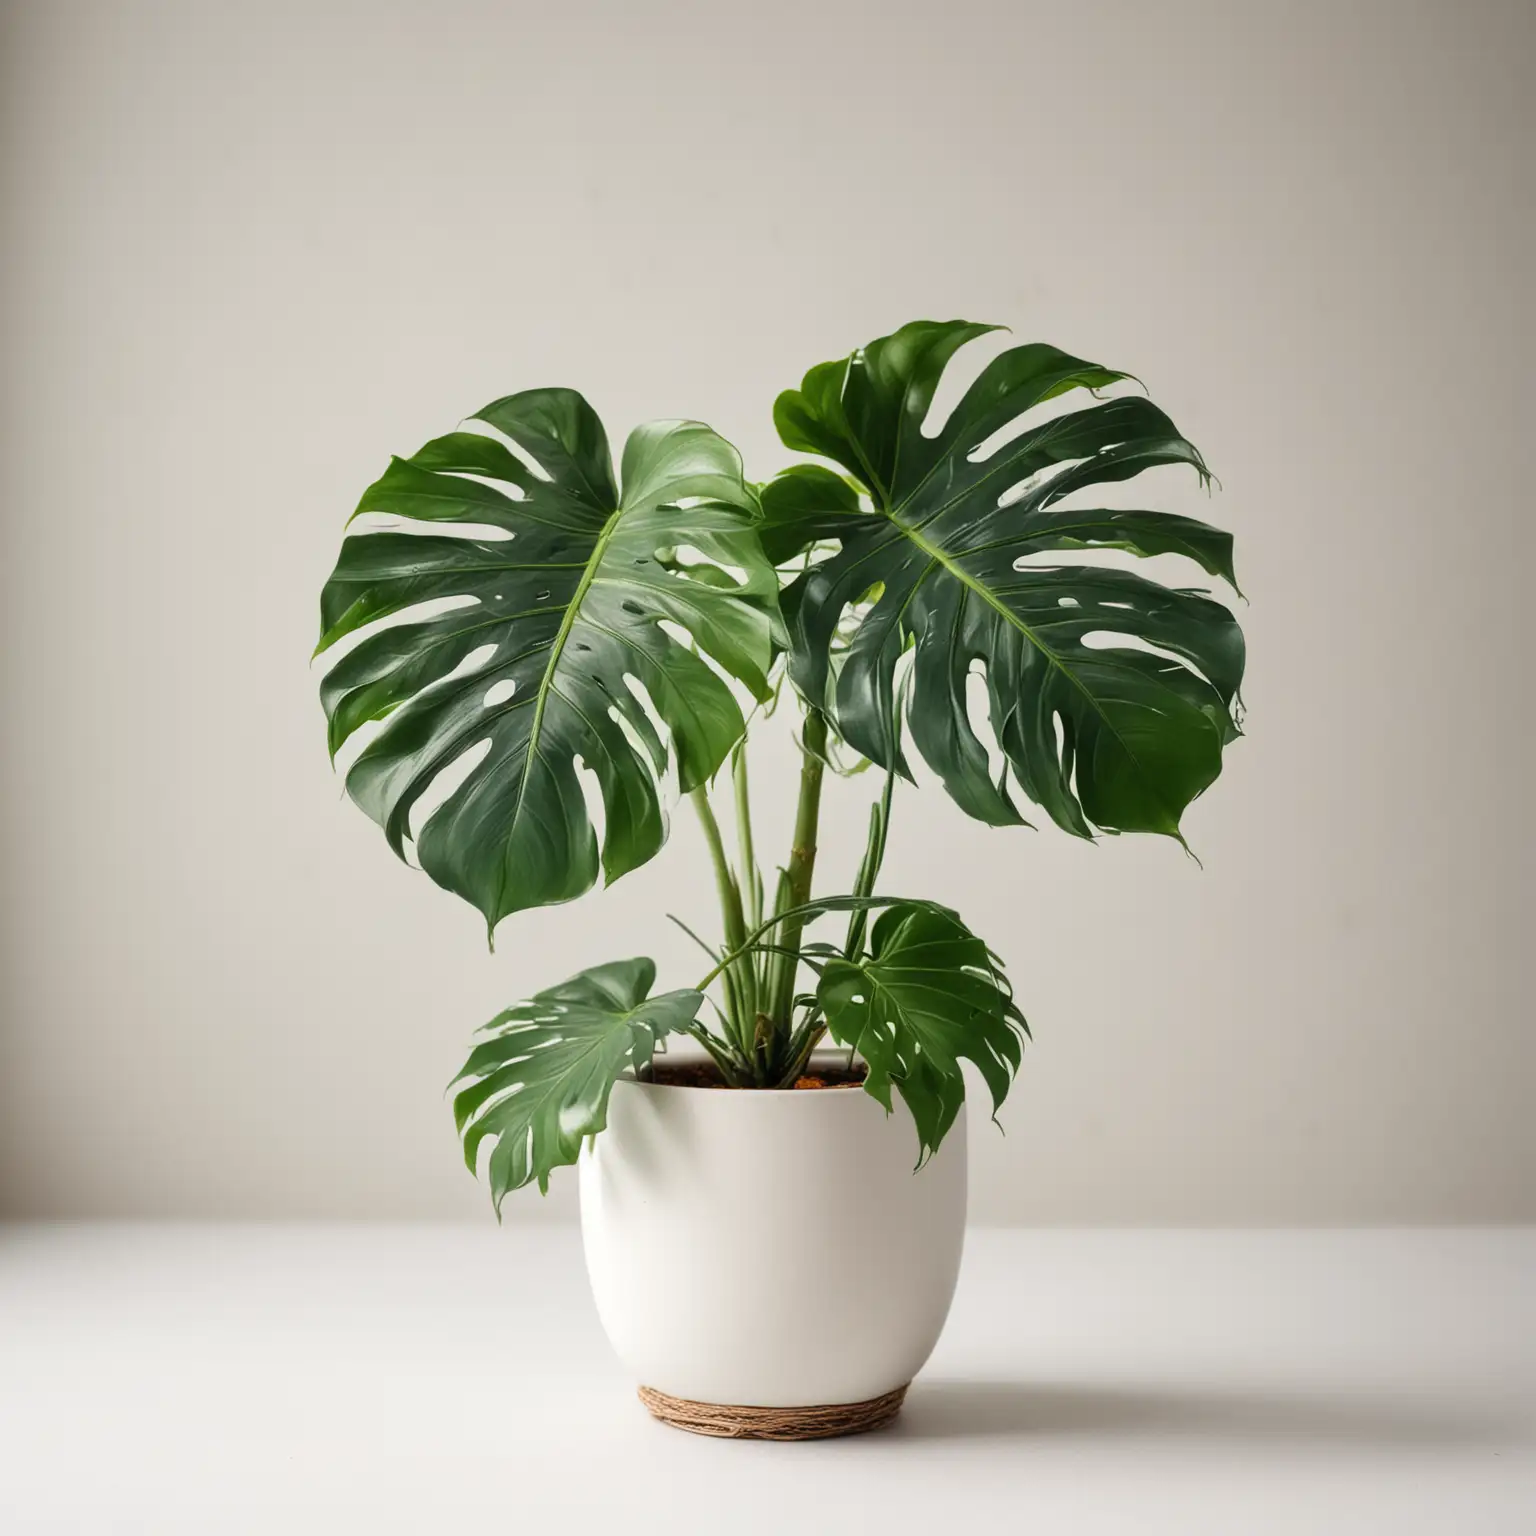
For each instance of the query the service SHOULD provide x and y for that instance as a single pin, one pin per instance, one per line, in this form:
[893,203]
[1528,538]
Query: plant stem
[802,1043]
[751,883]
[795,888]
[741,988]
[869,868]
[724,1056]
[800,915]
[751,876]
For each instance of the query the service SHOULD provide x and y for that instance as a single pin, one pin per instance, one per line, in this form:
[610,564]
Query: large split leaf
[927,995]
[1110,696]
[564,583]
[542,1079]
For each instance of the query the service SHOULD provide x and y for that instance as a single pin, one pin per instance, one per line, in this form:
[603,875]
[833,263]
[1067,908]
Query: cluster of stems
[761,1042]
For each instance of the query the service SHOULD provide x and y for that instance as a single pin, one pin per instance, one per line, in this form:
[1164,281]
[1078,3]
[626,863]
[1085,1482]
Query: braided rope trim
[735,1422]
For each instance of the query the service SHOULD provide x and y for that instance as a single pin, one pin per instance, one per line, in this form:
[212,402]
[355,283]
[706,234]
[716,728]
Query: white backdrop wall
[249,250]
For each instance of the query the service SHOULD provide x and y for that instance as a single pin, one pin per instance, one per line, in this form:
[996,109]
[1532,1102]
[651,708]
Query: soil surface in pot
[704,1074]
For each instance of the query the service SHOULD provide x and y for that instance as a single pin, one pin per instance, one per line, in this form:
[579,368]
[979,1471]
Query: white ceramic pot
[770,1248]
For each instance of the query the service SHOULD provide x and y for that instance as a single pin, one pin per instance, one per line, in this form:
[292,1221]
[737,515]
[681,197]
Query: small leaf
[539,1084]
[805,504]
[928,995]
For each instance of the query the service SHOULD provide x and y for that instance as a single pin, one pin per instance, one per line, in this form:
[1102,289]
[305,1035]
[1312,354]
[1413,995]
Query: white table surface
[453,1379]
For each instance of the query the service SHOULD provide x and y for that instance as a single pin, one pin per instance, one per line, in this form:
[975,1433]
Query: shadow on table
[945,1410]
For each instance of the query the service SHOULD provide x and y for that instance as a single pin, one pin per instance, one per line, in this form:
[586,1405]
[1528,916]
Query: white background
[251,250]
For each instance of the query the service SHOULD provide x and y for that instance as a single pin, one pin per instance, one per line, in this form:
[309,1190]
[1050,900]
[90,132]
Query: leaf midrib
[882,498]
[938,557]
[581,1061]
[557,650]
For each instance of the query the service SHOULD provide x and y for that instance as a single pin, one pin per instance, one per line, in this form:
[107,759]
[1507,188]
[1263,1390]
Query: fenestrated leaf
[543,1078]
[1120,734]
[927,995]
[565,611]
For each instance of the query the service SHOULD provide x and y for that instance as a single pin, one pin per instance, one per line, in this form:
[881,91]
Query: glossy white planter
[773,1249]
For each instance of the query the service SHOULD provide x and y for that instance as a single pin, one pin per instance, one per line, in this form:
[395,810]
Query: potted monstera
[520,617]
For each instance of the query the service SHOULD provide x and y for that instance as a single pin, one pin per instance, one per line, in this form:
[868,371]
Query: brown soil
[704,1074]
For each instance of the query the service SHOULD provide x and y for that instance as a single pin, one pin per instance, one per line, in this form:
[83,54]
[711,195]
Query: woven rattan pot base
[739,1423]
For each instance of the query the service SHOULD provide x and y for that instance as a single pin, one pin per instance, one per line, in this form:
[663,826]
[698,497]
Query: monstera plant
[542,653]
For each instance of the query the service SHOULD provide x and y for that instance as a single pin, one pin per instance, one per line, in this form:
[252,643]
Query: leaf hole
[1059,735]
[738,690]
[978,715]
[489,429]
[366,523]
[446,783]
[649,736]
[959,374]
[498,1099]
[688,557]
[508,488]
[416,613]
[1034,485]
[1121,640]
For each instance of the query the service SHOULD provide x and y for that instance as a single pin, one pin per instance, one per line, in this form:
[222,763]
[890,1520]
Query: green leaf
[564,584]
[804,505]
[1110,735]
[542,1079]
[928,995]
